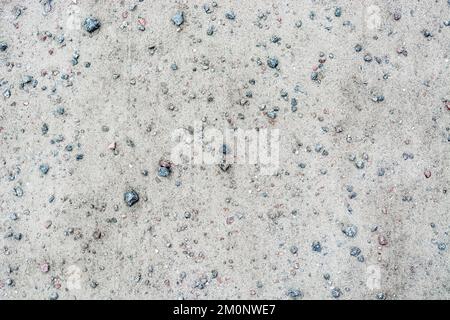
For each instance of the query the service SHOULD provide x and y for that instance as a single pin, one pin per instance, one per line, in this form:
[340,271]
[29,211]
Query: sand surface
[357,204]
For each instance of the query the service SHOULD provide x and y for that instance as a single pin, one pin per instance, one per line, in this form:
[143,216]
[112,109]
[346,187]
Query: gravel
[91,24]
[131,198]
[94,95]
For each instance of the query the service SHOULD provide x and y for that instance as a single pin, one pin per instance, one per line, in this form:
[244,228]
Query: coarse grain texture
[91,92]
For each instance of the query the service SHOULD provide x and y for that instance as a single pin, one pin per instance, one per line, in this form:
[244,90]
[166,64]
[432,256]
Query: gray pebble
[294,293]
[230,15]
[316,246]
[3,46]
[272,62]
[131,197]
[178,18]
[44,168]
[355,251]
[18,191]
[336,293]
[350,231]
[91,24]
[163,172]
[54,296]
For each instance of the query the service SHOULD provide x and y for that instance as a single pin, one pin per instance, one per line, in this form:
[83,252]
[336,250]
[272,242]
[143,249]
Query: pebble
[350,231]
[359,164]
[355,251]
[210,30]
[316,246]
[163,172]
[381,296]
[18,191]
[272,62]
[45,268]
[293,249]
[294,293]
[178,18]
[131,198]
[230,15]
[54,296]
[336,292]
[91,24]
[44,168]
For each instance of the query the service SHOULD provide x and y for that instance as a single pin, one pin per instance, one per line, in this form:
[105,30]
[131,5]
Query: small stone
[224,166]
[9,282]
[355,251]
[112,146]
[359,164]
[379,98]
[293,249]
[3,46]
[230,15]
[382,240]
[178,18]
[350,231]
[368,58]
[427,174]
[338,12]
[163,172]
[44,168]
[97,234]
[207,8]
[272,62]
[275,39]
[427,34]
[91,24]
[336,293]
[131,197]
[7,93]
[210,31]
[294,293]
[54,296]
[18,191]
[294,104]
[381,296]
[60,111]
[44,129]
[316,246]
[45,267]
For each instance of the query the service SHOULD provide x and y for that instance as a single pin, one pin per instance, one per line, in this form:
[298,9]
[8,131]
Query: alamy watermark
[200,145]
[373,280]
